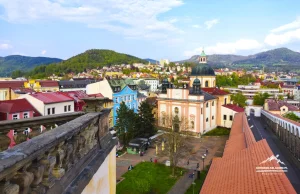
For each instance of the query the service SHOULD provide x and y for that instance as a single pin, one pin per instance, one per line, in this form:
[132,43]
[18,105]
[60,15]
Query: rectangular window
[65,108]
[212,117]
[117,100]
[15,116]
[201,110]
[49,111]
[25,115]
[225,117]
[69,107]
[53,111]
[230,117]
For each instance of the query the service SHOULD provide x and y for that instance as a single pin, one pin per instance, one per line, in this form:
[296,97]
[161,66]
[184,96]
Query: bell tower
[202,57]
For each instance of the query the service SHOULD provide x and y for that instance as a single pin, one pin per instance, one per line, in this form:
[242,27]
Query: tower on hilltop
[202,57]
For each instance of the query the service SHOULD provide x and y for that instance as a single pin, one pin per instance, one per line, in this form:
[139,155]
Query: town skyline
[173,29]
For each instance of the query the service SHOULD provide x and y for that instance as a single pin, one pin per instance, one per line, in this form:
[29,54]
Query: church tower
[202,58]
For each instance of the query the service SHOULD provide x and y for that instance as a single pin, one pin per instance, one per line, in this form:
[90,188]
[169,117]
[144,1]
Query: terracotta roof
[235,172]
[274,105]
[234,107]
[15,106]
[48,83]
[52,97]
[11,84]
[215,91]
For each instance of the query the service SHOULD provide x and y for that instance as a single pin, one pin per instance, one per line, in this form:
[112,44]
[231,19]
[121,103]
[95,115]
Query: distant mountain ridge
[24,63]
[280,56]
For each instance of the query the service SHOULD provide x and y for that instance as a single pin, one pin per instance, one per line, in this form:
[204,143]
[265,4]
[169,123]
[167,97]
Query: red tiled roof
[274,105]
[52,97]
[99,95]
[234,107]
[76,95]
[235,172]
[48,83]
[15,106]
[11,84]
[215,91]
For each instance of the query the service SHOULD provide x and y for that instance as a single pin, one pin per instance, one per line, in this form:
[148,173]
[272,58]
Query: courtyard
[214,144]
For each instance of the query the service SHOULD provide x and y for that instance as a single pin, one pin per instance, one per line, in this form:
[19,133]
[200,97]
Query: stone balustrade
[286,130]
[24,129]
[54,161]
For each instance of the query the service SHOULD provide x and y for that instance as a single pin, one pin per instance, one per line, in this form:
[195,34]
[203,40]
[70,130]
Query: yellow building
[42,85]
[109,104]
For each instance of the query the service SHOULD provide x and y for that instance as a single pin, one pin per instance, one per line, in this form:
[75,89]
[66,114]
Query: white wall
[257,110]
[102,87]
[228,112]
[37,104]
[59,107]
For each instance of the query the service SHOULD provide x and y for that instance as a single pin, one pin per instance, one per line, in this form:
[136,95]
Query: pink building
[15,110]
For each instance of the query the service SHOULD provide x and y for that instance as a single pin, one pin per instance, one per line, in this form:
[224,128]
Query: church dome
[196,82]
[202,70]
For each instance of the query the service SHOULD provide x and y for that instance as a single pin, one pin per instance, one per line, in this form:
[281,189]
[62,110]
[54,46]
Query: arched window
[207,105]
[206,119]
[206,84]
[176,110]
[213,103]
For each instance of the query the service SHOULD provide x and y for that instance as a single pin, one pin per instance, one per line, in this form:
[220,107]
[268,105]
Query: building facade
[118,90]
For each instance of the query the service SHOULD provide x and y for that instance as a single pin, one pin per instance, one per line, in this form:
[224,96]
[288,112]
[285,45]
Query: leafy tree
[292,116]
[172,64]
[259,98]
[145,120]
[239,99]
[126,123]
[280,97]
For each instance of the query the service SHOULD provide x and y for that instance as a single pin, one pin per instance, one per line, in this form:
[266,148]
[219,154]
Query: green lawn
[198,185]
[219,131]
[148,177]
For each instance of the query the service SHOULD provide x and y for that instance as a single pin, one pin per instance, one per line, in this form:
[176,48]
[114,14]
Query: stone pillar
[94,104]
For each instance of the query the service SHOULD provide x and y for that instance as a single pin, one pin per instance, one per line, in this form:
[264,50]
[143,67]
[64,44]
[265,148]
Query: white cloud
[284,34]
[128,17]
[43,52]
[209,24]
[227,48]
[5,46]
[292,25]
[196,26]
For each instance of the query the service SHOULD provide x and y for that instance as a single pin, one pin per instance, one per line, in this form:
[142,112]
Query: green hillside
[16,62]
[88,60]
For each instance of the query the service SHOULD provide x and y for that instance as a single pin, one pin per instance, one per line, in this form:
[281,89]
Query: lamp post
[203,157]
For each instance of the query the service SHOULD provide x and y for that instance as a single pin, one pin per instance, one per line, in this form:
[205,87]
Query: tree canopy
[259,98]
[234,80]
[239,99]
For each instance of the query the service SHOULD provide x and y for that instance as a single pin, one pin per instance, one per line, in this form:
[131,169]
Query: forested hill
[88,60]
[16,62]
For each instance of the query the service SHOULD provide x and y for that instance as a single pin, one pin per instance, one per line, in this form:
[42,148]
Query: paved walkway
[183,184]
[277,147]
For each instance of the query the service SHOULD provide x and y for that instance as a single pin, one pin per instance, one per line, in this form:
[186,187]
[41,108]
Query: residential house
[50,103]
[228,112]
[118,90]
[15,110]
[279,107]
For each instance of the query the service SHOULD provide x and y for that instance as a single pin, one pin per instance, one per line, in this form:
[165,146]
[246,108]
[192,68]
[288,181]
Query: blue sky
[172,29]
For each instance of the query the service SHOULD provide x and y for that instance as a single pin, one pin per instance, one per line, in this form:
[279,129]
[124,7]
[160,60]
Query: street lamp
[203,157]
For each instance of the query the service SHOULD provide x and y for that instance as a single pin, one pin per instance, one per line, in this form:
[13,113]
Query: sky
[156,29]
